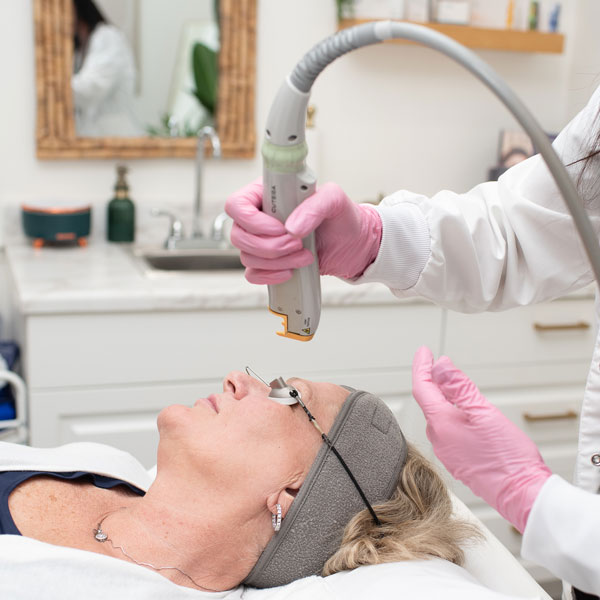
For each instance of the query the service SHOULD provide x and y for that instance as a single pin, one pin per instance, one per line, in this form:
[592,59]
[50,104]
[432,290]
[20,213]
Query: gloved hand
[475,441]
[347,234]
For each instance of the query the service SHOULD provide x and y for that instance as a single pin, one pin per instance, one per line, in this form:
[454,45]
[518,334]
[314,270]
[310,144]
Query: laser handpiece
[287,180]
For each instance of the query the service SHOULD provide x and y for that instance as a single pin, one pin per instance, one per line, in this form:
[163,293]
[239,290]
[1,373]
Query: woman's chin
[171,416]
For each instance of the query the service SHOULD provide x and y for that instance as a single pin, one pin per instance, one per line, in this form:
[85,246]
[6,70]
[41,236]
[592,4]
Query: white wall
[388,117]
[584,72]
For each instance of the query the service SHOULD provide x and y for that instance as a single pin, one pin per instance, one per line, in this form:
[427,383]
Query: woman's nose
[234,383]
[241,384]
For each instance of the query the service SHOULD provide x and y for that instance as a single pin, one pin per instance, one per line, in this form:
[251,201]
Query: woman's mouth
[211,401]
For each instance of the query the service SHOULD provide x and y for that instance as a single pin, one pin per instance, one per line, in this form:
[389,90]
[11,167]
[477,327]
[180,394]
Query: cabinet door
[546,344]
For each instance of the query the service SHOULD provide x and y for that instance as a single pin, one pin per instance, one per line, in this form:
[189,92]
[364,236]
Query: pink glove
[475,441]
[347,234]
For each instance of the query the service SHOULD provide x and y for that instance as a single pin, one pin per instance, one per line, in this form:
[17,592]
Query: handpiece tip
[288,334]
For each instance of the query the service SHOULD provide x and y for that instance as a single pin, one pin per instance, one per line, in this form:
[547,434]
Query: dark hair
[88,12]
[587,173]
[593,150]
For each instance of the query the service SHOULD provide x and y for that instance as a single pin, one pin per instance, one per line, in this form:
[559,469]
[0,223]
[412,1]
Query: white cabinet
[105,377]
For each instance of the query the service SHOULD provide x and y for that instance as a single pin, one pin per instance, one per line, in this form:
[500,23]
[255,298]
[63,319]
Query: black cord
[362,494]
[294,394]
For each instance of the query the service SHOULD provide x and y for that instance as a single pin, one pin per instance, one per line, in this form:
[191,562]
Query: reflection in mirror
[180,52]
[126,84]
[193,91]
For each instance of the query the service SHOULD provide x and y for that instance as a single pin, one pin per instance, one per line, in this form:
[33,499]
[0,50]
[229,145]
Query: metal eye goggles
[283,393]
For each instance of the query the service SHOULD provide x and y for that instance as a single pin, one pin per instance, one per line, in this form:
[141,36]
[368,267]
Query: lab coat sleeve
[101,68]
[562,533]
[500,245]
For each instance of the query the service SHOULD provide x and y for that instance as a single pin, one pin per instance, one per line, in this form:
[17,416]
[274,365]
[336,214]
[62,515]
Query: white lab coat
[499,246]
[103,88]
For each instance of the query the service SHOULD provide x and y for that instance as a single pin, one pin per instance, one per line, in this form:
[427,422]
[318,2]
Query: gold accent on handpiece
[289,334]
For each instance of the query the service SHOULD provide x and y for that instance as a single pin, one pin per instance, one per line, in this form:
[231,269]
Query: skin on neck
[214,541]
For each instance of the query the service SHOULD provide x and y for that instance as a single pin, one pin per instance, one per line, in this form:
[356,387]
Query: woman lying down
[248,494]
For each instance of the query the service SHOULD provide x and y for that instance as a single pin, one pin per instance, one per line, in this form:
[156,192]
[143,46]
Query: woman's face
[241,436]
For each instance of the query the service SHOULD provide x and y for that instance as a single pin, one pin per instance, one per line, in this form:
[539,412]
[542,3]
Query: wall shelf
[487,39]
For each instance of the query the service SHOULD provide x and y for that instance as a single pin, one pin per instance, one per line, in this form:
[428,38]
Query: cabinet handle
[568,414]
[580,325]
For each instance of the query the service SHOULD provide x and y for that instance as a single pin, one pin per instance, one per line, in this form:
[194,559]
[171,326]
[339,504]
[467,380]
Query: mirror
[163,103]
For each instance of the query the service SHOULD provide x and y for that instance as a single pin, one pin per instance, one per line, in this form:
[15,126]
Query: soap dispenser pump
[121,211]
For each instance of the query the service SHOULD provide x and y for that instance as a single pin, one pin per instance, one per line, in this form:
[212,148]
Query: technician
[502,244]
[104,76]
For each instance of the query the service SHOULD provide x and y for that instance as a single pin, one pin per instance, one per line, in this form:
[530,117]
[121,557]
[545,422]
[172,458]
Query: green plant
[205,66]
[345,9]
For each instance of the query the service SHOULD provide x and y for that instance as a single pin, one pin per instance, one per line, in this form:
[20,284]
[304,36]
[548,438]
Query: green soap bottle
[121,211]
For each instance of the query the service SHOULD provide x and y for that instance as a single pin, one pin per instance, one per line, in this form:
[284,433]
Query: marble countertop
[105,277]
[108,278]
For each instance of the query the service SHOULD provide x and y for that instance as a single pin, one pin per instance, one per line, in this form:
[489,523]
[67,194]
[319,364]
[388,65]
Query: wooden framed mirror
[234,117]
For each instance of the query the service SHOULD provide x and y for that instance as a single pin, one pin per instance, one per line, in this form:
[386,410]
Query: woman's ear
[284,497]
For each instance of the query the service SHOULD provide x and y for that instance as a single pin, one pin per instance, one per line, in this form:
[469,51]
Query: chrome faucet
[205,132]
[218,226]
[176,234]
[176,238]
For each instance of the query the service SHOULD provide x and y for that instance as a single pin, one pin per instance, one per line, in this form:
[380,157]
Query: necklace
[101,536]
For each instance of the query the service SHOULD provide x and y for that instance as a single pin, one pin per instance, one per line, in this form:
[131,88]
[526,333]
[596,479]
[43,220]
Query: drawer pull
[568,414]
[580,325]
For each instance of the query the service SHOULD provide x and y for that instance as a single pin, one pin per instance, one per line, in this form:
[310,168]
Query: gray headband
[369,439]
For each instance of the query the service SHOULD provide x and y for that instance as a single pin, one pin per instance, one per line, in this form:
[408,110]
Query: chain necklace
[101,536]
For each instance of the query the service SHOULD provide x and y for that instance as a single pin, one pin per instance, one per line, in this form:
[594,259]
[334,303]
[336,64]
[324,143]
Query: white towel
[30,569]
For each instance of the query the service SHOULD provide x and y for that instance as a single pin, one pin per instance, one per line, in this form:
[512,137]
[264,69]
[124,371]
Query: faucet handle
[218,226]
[176,232]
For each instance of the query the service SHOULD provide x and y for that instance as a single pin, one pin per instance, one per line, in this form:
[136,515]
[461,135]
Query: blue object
[10,353]
[554,15]
[7,409]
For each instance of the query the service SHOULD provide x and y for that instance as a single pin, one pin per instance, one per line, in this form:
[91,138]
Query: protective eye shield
[369,438]
[283,393]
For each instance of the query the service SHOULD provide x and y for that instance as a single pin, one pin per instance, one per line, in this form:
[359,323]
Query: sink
[189,260]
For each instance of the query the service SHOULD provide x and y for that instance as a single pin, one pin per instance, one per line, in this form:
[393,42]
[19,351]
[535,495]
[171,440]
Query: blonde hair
[417,523]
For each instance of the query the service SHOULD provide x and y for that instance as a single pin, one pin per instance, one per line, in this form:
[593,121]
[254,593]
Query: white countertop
[107,278]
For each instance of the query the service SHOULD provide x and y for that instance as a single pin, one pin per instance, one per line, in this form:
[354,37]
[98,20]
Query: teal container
[56,223]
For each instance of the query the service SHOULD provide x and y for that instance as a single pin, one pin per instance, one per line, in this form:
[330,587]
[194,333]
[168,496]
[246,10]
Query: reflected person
[104,76]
